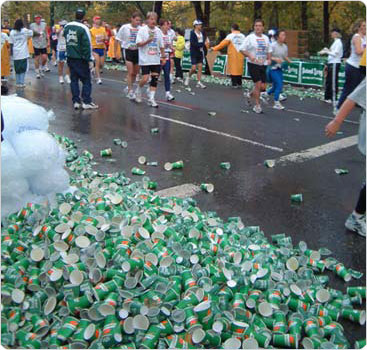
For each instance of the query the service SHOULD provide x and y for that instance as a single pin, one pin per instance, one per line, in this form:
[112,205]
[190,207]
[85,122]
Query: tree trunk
[206,13]
[274,16]
[158,8]
[304,23]
[52,13]
[257,9]
[198,10]
[326,21]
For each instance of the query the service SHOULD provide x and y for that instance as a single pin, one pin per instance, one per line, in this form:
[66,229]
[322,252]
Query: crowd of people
[149,48]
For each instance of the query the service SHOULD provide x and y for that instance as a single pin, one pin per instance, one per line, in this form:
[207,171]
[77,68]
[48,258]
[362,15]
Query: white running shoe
[187,81]
[61,80]
[42,73]
[89,106]
[138,98]
[67,79]
[200,85]
[131,95]
[257,109]
[55,63]
[76,105]
[99,81]
[356,224]
[282,97]
[327,101]
[278,105]
[169,96]
[151,102]
[38,75]
[46,69]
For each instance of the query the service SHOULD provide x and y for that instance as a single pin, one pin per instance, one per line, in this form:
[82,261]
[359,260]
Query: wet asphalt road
[261,196]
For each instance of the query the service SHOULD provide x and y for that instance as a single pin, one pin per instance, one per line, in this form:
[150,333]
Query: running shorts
[132,56]
[257,72]
[196,57]
[61,56]
[99,52]
[38,52]
[156,68]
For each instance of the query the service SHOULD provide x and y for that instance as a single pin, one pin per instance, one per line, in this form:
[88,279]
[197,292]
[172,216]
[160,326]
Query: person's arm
[244,49]
[224,43]
[333,127]
[140,42]
[268,55]
[357,42]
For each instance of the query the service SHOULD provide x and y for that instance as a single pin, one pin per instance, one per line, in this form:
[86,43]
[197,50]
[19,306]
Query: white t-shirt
[237,40]
[172,34]
[354,59]
[20,43]
[150,53]
[258,46]
[61,41]
[336,52]
[167,42]
[127,35]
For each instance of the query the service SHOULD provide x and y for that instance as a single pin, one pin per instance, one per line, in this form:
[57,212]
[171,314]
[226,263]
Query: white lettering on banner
[313,71]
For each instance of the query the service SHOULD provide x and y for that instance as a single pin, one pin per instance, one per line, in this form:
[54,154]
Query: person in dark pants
[353,75]
[179,50]
[335,54]
[80,60]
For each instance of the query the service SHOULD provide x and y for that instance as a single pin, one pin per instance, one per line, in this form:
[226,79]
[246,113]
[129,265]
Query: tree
[198,10]
[207,13]
[158,8]
[257,9]
[204,16]
[326,21]
[304,23]
[273,20]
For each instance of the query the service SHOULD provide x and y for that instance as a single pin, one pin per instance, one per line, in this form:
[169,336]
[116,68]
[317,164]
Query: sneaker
[61,80]
[138,98]
[180,80]
[46,69]
[67,79]
[282,97]
[76,105]
[169,96]
[89,106]
[356,224]
[247,96]
[131,95]
[257,109]
[327,101]
[99,81]
[200,85]
[187,81]
[264,97]
[42,73]
[151,102]
[278,105]
[55,63]
[38,75]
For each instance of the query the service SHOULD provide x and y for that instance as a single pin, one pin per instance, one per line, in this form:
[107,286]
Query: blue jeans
[19,78]
[166,72]
[79,70]
[276,76]
[353,76]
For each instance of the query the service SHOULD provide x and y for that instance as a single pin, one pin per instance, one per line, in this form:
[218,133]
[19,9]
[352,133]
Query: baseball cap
[96,17]
[37,16]
[197,22]
[271,32]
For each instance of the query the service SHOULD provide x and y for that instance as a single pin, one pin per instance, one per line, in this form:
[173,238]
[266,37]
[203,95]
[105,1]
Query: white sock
[358,216]
[168,92]
[152,94]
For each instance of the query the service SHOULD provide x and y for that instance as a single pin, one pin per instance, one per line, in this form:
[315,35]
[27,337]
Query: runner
[279,57]
[127,36]
[5,58]
[53,43]
[179,46]
[168,49]
[80,60]
[257,48]
[197,41]
[18,39]
[353,75]
[172,34]
[107,27]
[151,57]
[40,42]
[335,54]
[235,58]
[99,35]
[61,53]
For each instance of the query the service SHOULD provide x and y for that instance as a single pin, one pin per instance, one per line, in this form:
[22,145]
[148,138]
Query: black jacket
[195,46]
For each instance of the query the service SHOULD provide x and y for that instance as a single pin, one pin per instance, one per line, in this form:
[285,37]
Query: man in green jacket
[80,60]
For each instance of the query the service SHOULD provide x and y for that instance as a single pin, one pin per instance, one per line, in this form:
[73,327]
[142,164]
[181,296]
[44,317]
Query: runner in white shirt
[258,50]
[168,49]
[335,54]
[61,54]
[151,53]
[127,36]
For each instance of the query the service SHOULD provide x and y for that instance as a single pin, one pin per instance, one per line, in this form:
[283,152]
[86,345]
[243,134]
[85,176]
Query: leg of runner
[67,75]
[138,92]
[167,80]
[179,74]
[277,78]
[192,71]
[153,87]
[98,67]
[130,77]
[172,63]
[61,72]
[200,71]
[37,65]
[356,221]
[256,95]
[44,62]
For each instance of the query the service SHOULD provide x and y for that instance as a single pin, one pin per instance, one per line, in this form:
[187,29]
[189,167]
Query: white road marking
[319,151]
[255,143]
[181,191]
[318,115]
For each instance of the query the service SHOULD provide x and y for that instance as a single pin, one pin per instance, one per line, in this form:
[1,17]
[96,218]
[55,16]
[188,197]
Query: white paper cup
[198,335]
[50,305]
[250,343]
[37,254]
[17,296]
[322,295]
[76,277]
[265,309]
[292,264]
[232,343]
[140,322]
[82,242]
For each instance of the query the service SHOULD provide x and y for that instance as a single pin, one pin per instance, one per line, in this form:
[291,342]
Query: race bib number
[100,39]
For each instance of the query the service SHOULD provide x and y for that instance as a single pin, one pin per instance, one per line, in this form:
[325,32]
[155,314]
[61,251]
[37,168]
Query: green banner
[220,64]
[312,74]
[341,76]
[246,74]
[291,75]
[186,61]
